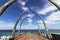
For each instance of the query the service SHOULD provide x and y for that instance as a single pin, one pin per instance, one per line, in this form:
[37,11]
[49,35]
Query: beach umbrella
[53,2]
[5,6]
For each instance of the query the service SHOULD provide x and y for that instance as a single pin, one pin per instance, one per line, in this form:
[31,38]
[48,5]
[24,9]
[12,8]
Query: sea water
[9,32]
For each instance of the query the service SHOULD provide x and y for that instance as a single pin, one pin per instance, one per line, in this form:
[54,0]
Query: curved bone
[58,6]
[5,6]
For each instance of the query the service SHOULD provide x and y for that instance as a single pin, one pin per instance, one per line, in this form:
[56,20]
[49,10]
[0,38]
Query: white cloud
[46,9]
[25,8]
[54,18]
[30,15]
[6,25]
[57,1]
[32,26]
[39,21]
[29,20]
[21,2]
[24,17]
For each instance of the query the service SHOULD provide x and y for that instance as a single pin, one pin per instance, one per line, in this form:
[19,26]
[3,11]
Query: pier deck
[30,37]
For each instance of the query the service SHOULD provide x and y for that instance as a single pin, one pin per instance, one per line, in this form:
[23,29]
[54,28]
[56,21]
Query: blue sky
[47,10]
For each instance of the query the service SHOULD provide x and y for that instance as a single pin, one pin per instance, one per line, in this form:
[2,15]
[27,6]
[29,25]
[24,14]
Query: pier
[29,37]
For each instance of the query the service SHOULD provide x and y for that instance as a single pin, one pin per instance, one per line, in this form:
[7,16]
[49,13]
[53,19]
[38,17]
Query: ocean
[8,32]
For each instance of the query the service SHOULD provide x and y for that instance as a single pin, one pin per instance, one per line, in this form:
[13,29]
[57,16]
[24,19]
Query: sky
[32,9]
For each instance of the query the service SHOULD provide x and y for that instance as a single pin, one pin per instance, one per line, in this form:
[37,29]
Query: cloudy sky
[47,10]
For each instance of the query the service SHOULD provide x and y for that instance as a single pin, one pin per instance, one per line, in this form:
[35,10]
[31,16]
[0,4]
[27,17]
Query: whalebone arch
[19,31]
[19,17]
[5,6]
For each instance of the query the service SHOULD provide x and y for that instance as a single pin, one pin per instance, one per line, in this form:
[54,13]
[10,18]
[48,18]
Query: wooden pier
[29,37]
